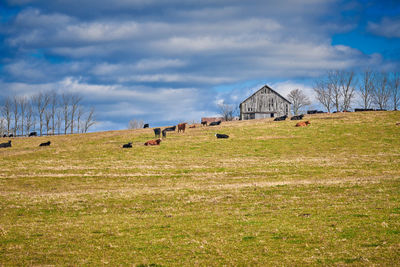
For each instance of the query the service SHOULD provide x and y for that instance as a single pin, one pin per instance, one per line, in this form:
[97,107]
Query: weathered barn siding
[265,103]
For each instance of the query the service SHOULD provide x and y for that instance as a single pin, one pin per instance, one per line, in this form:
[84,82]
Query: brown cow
[192,126]
[302,123]
[181,127]
[155,142]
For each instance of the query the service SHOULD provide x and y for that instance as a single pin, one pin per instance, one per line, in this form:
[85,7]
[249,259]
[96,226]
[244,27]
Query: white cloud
[387,27]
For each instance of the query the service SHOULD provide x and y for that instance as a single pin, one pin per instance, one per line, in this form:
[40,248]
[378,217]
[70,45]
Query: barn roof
[266,86]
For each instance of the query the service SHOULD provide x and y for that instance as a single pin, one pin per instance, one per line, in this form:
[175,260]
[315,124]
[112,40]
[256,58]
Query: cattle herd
[181,129]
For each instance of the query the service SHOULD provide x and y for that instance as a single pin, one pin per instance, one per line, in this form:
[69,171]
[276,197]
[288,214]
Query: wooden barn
[265,103]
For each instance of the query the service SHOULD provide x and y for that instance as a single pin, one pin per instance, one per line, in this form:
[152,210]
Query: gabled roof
[266,86]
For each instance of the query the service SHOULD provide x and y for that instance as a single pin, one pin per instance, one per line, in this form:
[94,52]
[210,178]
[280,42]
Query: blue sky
[170,61]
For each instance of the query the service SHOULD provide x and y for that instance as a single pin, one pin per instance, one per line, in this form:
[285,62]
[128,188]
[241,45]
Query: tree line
[338,89]
[47,113]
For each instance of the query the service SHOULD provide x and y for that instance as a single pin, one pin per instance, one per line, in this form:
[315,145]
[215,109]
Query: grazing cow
[4,135]
[363,109]
[302,123]
[32,134]
[45,144]
[10,135]
[164,133]
[182,127]
[157,132]
[282,118]
[128,145]
[204,123]
[221,135]
[170,129]
[153,142]
[146,126]
[314,111]
[192,126]
[8,144]
[214,123]
[297,118]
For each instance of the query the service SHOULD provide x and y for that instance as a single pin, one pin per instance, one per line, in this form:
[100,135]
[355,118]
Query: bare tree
[381,93]
[66,98]
[15,105]
[79,115]
[90,120]
[75,99]
[135,124]
[334,84]
[324,94]
[59,118]
[366,88]
[347,88]
[226,111]
[299,100]
[29,118]
[23,103]
[395,89]
[47,119]
[53,109]
[41,101]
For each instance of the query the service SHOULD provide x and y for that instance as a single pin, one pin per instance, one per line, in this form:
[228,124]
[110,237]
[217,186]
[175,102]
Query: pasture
[271,194]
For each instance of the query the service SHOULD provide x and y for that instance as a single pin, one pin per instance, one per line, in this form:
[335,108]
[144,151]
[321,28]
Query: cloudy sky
[169,61]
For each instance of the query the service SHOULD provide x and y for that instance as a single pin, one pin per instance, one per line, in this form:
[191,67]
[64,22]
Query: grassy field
[271,194]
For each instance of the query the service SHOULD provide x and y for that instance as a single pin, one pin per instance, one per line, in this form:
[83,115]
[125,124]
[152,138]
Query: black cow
[146,126]
[8,144]
[363,109]
[164,133]
[204,123]
[221,135]
[10,135]
[281,118]
[33,134]
[170,129]
[298,117]
[214,123]
[128,145]
[45,144]
[157,132]
[4,135]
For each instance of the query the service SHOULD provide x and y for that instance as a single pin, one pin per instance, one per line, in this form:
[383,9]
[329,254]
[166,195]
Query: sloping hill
[272,193]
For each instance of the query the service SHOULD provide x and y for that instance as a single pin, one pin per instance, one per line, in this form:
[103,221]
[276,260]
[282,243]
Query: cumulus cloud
[387,27]
[165,60]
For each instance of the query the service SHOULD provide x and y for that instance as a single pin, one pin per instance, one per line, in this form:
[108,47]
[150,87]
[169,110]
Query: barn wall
[263,103]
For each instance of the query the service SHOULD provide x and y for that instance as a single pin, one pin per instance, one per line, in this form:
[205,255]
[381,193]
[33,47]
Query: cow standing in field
[204,123]
[146,126]
[302,123]
[8,144]
[164,133]
[157,132]
[45,144]
[153,142]
[182,127]
[32,134]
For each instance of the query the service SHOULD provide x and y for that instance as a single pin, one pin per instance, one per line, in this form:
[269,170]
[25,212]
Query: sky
[166,62]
